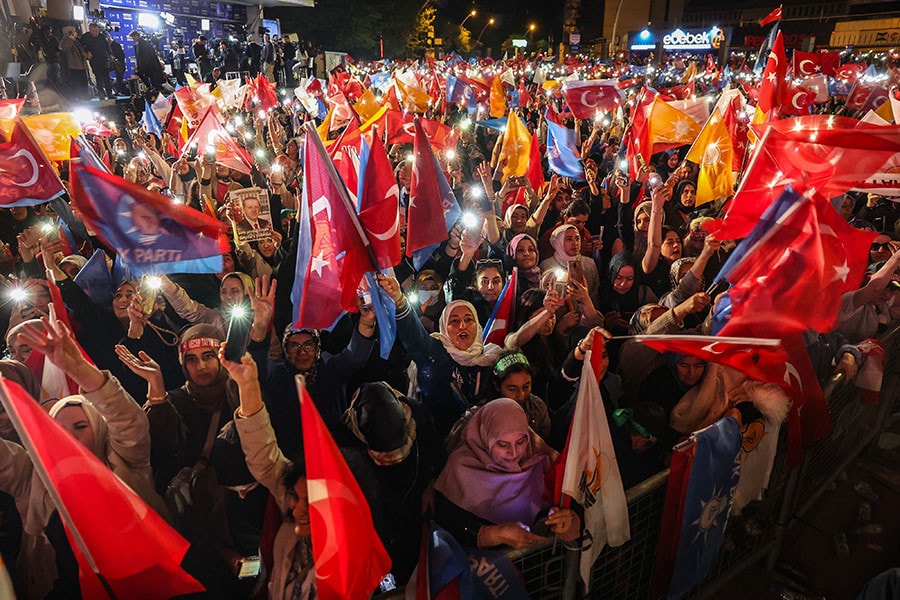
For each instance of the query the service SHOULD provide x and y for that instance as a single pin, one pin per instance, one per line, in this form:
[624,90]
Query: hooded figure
[396,456]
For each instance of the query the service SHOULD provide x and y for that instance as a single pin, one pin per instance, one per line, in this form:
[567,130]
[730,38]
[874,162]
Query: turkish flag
[818,85]
[828,153]
[850,71]
[792,268]
[349,556]
[26,176]
[773,86]
[134,549]
[587,98]
[433,208]
[260,94]
[380,207]
[638,135]
[773,16]
[346,152]
[808,64]
[798,101]
[211,132]
[10,109]
[481,88]
[758,359]
[737,122]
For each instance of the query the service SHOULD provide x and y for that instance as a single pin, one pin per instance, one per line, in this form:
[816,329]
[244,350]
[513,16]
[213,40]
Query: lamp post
[488,24]
[469,16]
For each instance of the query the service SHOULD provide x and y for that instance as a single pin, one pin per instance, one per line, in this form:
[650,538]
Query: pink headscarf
[475,482]
[532,275]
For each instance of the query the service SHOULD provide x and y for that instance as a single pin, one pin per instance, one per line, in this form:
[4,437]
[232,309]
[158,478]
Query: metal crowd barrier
[626,572]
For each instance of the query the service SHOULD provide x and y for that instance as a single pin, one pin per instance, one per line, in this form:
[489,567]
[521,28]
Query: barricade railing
[626,572]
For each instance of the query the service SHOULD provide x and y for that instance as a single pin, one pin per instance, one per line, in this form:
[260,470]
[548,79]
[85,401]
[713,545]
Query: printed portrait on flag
[158,238]
[250,214]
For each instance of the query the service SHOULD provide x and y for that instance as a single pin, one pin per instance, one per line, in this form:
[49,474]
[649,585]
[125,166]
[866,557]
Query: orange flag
[516,147]
[713,152]
[498,98]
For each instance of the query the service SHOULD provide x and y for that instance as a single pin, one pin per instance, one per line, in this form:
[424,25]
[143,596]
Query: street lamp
[489,23]
[468,16]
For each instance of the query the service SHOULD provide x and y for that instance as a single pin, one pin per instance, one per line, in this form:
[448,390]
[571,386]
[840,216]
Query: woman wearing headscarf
[103,418]
[622,293]
[522,254]
[235,287]
[193,459]
[669,382]
[566,243]
[453,365]
[665,245]
[491,492]
[680,209]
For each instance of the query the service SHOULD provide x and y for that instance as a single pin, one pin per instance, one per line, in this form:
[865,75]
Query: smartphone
[249,567]
[576,271]
[653,181]
[559,284]
[192,151]
[366,298]
[148,294]
[238,336]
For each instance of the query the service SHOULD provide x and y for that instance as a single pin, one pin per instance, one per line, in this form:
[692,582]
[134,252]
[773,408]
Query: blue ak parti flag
[561,153]
[714,475]
[150,232]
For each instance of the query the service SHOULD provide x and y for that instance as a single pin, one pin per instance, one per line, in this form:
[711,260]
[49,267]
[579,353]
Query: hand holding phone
[238,337]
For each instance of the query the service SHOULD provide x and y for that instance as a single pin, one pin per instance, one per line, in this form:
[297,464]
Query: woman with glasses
[326,379]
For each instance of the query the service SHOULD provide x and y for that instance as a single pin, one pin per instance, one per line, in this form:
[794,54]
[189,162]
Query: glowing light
[450,154]
[153,282]
[469,220]
[18,295]
[238,312]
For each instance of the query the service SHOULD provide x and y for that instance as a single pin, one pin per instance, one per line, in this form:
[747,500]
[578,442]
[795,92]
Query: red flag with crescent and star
[823,152]
[810,64]
[26,176]
[773,86]
[349,556]
[380,207]
[587,98]
[798,100]
[128,543]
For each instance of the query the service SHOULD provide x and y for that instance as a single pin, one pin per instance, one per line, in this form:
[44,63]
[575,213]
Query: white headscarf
[477,355]
[558,241]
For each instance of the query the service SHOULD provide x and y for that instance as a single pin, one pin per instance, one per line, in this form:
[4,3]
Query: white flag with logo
[591,475]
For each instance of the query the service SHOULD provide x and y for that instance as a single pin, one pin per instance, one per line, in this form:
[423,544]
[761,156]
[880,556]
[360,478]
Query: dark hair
[295,472]
[489,263]
[530,302]
[509,363]
[577,208]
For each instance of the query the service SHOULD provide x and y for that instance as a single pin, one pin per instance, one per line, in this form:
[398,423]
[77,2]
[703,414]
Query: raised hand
[243,373]
[142,365]
[263,303]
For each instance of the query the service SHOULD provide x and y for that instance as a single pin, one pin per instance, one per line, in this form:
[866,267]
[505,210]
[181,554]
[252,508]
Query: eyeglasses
[878,247]
[486,263]
[304,347]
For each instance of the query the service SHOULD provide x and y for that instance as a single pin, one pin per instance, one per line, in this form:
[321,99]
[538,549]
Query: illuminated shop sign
[681,39]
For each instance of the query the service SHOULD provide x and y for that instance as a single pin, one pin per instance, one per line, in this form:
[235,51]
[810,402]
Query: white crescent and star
[31,162]
[709,348]
[794,100]
[804,70]
[790,371]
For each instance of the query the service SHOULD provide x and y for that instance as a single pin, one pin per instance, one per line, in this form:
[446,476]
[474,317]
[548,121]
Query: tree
[421,38]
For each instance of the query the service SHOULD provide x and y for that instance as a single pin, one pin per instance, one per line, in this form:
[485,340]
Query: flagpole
[311,133]
[51,491]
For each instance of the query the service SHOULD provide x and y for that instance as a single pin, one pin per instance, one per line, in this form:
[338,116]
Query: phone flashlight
[18,295]
[239,311]
[469,221]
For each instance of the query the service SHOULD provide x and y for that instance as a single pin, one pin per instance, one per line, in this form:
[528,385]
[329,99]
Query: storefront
[681,40]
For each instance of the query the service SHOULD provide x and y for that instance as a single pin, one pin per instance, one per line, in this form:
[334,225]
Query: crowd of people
[447,426]
[80,65]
